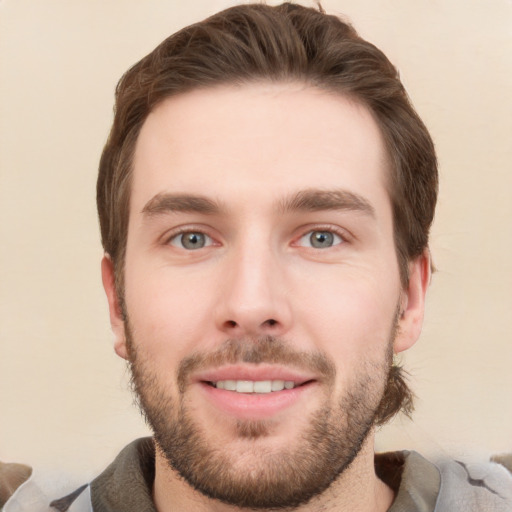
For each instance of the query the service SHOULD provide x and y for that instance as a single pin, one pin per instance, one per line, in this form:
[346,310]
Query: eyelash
[188,230]
[336,232]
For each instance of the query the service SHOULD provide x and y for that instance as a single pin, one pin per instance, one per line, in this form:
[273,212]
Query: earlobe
[412,304]
[116,313]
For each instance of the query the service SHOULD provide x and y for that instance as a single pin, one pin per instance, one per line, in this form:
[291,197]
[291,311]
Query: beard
[253,475]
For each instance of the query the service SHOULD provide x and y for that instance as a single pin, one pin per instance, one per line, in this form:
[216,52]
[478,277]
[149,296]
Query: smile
[251,386]
[256,399]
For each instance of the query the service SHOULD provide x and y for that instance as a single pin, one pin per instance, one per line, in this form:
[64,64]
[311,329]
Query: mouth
[256,386]
[255,392]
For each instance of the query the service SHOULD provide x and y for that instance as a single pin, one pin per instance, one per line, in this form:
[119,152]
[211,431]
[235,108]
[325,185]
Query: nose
[253,299]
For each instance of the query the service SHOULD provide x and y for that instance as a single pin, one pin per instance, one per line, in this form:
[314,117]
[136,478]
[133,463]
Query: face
[262,292]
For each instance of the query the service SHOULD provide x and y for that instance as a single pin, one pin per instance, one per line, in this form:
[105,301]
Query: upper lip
[260,372]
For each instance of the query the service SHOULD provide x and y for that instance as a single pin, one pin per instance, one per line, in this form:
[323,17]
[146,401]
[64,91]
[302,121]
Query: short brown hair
[258,42]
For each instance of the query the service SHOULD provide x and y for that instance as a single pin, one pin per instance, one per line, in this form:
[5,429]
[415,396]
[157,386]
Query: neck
[357,489]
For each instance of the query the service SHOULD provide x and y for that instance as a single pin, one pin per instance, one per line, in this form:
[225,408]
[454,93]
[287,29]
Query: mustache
[265,349]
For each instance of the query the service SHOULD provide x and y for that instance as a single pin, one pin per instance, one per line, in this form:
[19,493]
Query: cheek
[166,312]
[350,318]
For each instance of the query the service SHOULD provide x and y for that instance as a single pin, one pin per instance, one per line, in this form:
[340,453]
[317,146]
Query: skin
[249,150]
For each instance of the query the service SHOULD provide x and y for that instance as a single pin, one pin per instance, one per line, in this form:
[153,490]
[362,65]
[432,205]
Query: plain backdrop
[64,395]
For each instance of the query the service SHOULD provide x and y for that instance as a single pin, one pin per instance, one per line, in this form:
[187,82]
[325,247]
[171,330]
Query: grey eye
[320,239]
[191,240]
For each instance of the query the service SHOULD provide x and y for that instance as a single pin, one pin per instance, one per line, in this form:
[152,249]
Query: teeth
[244,386]
[230,385]
[251,386]
[277,385]
[263,386]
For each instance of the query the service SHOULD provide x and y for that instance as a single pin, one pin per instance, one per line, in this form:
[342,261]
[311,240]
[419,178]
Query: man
[265,198]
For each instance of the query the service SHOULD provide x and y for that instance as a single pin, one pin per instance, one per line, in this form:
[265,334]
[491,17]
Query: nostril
[232,325]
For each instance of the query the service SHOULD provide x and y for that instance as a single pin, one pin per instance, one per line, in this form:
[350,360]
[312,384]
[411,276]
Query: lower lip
[255,406]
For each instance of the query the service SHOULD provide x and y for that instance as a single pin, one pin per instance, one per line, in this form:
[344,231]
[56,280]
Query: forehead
[270,138]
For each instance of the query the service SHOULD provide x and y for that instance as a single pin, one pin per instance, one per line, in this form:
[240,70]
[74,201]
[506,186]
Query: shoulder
[457,486]
[485,486]
[45,491]
[124,485]
[446,485]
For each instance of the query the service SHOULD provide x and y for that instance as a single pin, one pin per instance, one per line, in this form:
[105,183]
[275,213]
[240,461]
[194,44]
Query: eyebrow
[180,203]
[309,200]
[312,200]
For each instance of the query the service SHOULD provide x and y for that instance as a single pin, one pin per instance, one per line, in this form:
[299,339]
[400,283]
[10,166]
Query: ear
[412,303]
[116,314]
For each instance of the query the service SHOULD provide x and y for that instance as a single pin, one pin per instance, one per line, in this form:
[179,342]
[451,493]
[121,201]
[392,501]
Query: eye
[191,240]
[320,239]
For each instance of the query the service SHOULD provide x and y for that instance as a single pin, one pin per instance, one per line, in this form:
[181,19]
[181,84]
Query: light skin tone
[263,210]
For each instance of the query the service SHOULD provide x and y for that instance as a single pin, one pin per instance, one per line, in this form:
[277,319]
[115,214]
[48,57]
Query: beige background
[64,401]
